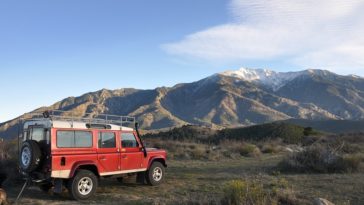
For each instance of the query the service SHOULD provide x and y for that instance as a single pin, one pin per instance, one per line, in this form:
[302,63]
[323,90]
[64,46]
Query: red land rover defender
[60,150]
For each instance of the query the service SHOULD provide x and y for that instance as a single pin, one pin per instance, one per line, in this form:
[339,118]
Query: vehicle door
[131,155]
[108,152]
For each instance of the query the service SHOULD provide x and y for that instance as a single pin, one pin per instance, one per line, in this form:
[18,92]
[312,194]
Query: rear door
[131,155]
[108,152]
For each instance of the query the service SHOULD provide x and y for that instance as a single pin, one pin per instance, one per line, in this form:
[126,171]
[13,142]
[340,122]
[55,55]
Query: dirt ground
[201,182]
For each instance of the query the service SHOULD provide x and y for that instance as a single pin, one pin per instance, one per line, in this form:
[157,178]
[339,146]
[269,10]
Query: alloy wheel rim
[25,157]
[85,185]
[157,174]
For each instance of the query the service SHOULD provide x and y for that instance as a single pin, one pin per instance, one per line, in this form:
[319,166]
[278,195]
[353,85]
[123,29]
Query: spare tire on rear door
[30,156]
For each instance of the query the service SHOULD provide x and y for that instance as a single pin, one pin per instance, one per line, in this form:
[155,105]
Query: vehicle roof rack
[90,118]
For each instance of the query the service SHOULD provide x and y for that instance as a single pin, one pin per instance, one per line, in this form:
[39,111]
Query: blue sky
[50,50]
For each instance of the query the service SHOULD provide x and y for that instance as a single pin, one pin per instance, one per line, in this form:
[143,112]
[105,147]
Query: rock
[321,201]
[289,149]
[294,148]
[3,197]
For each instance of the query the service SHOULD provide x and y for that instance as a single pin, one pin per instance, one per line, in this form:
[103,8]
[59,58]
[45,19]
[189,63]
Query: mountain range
[229,99]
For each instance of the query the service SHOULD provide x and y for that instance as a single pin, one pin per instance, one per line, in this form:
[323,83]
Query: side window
[70,139]
[83,139]
[65,139]
[107,140]
[128,140]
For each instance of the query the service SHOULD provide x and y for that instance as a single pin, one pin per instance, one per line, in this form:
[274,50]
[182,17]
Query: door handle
[103,158]
[124,156]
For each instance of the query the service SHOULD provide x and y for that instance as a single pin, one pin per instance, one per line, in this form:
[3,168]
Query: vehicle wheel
[30,156]
[45,187]
[120,179]
[83,185]
[155,174]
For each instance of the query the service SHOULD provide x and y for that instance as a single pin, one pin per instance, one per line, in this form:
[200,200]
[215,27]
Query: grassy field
[202,182]
[209,168]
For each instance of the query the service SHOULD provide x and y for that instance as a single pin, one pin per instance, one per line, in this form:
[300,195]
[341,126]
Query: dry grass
[203,182]
[202,174]
[184,150]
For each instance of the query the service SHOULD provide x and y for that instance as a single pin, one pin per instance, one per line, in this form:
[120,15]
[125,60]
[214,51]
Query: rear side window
[69,139]
[128,140]
[107,140]
[83,139]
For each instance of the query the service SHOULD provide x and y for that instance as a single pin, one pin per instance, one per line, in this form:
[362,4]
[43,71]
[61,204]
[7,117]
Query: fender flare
[157,158]
[76,165]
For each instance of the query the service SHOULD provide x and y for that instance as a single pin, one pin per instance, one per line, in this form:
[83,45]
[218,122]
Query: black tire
[30,156]
[120,179]
[45,187]
[155,174]
[83,192]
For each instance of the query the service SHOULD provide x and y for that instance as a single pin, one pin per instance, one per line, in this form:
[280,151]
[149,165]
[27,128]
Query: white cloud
[309,33]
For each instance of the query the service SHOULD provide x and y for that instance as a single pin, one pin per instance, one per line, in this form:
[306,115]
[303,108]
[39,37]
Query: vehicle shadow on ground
[34,195]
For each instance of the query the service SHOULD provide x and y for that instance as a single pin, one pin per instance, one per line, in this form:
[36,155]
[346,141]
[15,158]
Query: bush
[271,148]
[243,192]
[321,159]
[350,163]
[235,149]
[8,162]
[182,149]
[8,149]
[255,192]
[249,150]
[278,130]
[198,153]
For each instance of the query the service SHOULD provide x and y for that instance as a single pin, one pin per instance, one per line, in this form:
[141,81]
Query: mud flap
[141,178]
[58,186]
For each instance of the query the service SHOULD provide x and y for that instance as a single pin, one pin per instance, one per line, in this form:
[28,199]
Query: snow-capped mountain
[272,79]
[229,99]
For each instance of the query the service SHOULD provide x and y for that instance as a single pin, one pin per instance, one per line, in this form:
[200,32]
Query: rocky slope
[228,99]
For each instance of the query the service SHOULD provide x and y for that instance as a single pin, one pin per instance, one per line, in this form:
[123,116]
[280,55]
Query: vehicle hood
[153,149]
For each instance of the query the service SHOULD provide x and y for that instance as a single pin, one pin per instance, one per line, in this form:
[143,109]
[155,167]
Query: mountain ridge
[274,79]
[226,100]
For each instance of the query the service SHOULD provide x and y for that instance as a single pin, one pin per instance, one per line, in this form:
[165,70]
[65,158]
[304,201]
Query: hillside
[288,133]
[331,126]
[229,99]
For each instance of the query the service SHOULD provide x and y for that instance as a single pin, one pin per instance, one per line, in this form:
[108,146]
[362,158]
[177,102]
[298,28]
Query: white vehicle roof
[49,123]
[66,119]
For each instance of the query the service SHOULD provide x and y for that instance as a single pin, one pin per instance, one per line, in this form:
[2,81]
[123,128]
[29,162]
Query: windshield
[37,134]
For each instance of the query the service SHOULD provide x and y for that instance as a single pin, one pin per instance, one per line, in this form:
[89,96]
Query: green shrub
[198,153]
[249,150]
[271,148]
[243,192]
[255,192]
[308,131]
[352,148]
[350,163]
[278,130]
[320,158]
